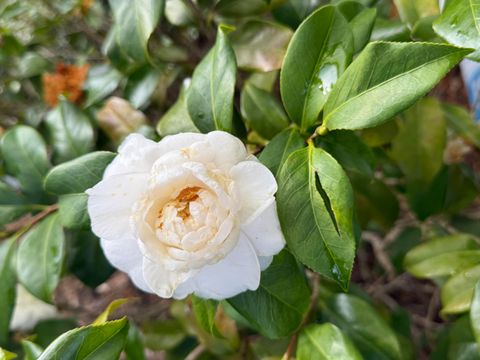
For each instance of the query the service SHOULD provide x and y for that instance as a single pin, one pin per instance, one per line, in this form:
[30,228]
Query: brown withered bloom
[67,80]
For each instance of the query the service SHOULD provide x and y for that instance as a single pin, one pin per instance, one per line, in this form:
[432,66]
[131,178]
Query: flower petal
[237,272]
[265,261]
[228,150]
[255,186]
[125,255]
[161,281]
[110,204]
[265,232]
[136,154]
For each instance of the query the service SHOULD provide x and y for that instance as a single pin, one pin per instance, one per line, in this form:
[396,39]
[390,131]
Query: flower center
[179,207]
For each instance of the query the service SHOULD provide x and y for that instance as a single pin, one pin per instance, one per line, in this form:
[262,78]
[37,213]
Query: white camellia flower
[193,213]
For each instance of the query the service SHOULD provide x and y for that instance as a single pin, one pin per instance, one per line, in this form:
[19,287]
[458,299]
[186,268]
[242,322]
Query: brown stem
[28,221]
[313,304]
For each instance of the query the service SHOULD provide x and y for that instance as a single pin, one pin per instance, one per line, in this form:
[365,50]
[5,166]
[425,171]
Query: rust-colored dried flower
[67,80]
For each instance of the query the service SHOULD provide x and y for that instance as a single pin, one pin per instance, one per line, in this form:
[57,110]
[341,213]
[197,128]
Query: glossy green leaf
[70,131]
[114,305]
[238,8]
[79,174]
[419,145]
[380,135]
[7,287]
[293,12]
[475,313]
[278,306]
[445,264]
[176,119]
[40,257]
[317,55]
[433,256]
[135,21]
[12,204]
[457,292]
[102,80]
[205,311]
[31,350]
[7,355]
[359,98]
[349,150]
[325,342]
[462,123]
[279,148]
[32,64]
[25,156]
[315,208]
[86,259]
[141,86]
[260,45]
[412,10]
[163,335]
[365,327]
[459,24]
[73,211]
[105,341]
[262,111]
[376,205]
[134,347]
[390,30]
[210,95]
[361,21]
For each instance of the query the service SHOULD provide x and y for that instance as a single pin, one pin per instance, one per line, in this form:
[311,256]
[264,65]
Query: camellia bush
[238,179]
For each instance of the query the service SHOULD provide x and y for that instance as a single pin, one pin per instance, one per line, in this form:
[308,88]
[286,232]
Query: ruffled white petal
[255,186]
[265,233]
[110,204]
[237,272]
[265,261]
[160,280]
[228,150]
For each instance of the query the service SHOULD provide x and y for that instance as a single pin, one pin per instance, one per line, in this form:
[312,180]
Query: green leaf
[359,98]
[459,24]
[412,10]
[361,21]
[462,123]
[79,174]
[315,208]
[87,260]
[237,8]
[114,305]
[368,331]
[7,355]
[40,257]
[73,211]
[134,347]
[135,21]
[104,342]
[262,111]
[25,156]
[349,150]
[279,148]
[7,287]
[325,342]
[278,306]
[176,119]
[376,204]
[210,96]
[260,45]
[70,131]
[419,145]
[12,205]
[31,350]
[390,30]
[102,80]
[317,55]
[442,256]
[32,64]
[205,311]
[141,85]
[475,313]
[457,292]
[163,335]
